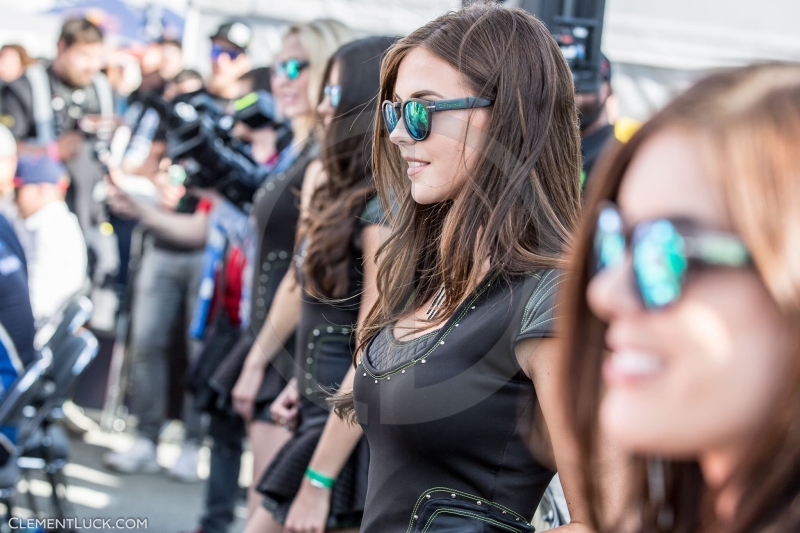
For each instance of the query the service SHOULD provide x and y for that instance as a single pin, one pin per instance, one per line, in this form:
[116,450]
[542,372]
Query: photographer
[169,280]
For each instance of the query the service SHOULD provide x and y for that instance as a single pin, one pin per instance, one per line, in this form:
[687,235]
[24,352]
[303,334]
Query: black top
[69,104]
[276,207]
[325,334]
[445,415]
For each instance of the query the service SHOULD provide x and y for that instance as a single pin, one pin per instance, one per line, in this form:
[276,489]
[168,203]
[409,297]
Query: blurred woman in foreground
[684,305]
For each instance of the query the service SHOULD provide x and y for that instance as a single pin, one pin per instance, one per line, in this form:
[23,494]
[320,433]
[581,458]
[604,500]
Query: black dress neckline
[436,334]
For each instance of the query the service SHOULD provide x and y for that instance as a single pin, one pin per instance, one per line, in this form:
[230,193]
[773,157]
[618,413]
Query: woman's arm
[539,359]
[309,511]
[281,321]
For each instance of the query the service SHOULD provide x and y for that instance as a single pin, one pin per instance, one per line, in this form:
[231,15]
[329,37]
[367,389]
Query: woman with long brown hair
[682,337]
[317,481]
[477,160]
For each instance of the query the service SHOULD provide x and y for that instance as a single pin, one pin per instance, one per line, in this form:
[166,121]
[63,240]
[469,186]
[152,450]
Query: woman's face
[438,166]
[325,109]
[292,95]
[698,377]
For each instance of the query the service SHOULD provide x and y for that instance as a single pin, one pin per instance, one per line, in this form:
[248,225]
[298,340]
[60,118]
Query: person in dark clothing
[45,108]
[596,129]
[460,350]
[340,230]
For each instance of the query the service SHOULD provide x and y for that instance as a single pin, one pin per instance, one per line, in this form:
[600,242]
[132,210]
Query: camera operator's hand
[284,409]
[169,194]
[120,202]
[69,144]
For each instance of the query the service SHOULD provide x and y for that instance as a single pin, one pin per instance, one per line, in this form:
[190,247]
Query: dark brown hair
[346,151]
[747,121]
[80,30]
[521,200]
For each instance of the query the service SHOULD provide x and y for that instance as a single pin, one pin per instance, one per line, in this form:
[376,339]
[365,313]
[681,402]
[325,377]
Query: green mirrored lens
[293,69]
[659,261]
[416,117]
[609,241]
[389,116]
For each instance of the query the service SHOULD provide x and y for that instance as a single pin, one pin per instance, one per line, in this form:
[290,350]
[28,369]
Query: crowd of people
[453,278]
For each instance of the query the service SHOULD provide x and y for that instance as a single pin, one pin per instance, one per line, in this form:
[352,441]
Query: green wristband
[319,480]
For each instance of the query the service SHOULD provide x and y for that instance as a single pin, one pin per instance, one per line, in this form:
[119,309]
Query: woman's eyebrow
[419,94]
[426,92]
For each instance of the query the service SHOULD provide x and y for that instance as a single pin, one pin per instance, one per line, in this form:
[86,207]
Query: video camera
[207,155]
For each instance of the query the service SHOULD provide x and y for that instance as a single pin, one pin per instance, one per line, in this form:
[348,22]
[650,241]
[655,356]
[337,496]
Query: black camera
[199,140]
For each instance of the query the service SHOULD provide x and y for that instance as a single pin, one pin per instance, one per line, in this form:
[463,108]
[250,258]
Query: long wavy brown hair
[521,200]
[346,151]
[748,122]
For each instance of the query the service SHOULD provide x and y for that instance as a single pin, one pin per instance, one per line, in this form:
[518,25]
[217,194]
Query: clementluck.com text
[76,523]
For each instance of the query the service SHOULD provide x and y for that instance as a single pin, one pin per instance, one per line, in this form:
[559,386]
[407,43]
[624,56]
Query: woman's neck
[718,467]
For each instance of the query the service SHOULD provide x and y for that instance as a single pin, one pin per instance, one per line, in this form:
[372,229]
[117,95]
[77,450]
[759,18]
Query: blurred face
[229,65]
[292,94]
[439,165]
[171,61]
[31,198]
[10,65]
[326,109]
[80,62]
[699,376]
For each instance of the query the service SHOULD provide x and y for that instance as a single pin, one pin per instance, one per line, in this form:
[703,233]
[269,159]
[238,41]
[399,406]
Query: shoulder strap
[105,95]
[42,103]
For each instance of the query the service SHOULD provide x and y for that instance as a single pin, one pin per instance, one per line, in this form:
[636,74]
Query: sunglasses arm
[717,249]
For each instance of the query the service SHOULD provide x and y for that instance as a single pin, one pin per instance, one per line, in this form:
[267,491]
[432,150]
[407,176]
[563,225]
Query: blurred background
[656,49]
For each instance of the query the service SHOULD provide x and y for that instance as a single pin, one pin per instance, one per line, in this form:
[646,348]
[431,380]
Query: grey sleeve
[541,309]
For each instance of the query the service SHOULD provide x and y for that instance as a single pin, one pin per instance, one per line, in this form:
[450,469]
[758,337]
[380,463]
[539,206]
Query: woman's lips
[627,367]
[415,167]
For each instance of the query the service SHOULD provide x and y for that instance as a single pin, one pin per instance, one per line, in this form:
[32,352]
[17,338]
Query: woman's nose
[399,134]
[612,291]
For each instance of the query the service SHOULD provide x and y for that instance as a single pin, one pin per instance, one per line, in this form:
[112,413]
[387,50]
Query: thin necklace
[436,303]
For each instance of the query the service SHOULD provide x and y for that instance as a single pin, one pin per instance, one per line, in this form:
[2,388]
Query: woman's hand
[284,409]
[245,391]
[309,511]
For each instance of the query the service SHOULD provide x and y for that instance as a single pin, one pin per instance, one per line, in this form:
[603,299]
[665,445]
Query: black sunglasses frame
[431,106]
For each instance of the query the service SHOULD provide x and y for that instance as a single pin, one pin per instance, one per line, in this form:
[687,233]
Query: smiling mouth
[630,366]
[415,167]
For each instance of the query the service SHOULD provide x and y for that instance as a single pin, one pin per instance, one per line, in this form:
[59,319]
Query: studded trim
[461,512]
[318,336]
[423,358]
[464,495]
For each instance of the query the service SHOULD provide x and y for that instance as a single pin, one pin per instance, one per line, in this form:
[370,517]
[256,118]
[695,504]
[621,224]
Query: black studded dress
[276,209]
[325,340]
[446,414]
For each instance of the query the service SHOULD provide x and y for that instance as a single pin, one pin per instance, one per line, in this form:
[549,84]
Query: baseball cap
[32,169]
[8,145]
[237,33]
